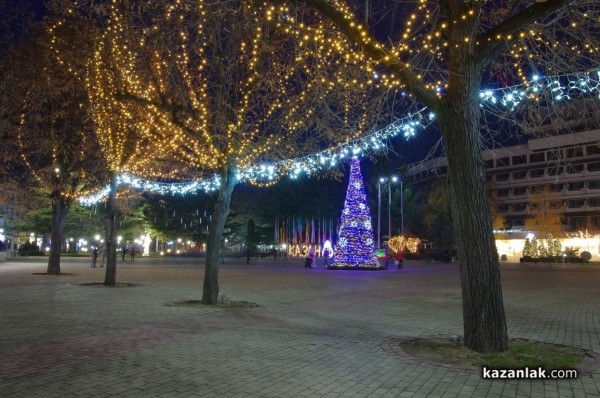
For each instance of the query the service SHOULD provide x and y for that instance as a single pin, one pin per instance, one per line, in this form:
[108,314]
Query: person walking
[386,257]
[132,253]
[311,257]
[123,251]
[94,257]
[102,253]
[326,254]
[399,259]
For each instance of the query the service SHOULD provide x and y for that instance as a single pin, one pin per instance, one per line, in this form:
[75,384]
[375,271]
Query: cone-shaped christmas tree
[356,248]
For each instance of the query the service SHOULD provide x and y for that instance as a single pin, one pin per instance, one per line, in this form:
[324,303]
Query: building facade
[566,164]
[11,208]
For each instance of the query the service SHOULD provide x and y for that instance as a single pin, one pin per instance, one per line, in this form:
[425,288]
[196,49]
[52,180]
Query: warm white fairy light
[561,88]
[295,168]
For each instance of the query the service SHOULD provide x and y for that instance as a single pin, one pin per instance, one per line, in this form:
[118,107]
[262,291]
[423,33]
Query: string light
[152,89]
[356,248]
[127,101]
[269,173]
[560,87]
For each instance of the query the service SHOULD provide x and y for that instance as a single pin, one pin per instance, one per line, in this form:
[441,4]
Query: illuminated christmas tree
[556,247]
[535,248]
[527,248]
[355,245]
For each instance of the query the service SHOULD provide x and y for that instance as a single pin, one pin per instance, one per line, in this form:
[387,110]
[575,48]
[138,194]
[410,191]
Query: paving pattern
[315,333]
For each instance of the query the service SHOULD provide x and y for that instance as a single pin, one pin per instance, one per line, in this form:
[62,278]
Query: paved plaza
[315,332]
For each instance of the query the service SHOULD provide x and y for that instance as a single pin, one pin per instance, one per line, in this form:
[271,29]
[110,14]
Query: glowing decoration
[327,246]
[561,87]
[294,168]
[145,242]
[357,250]
[556,247]
[299,251]
[398,243]
[140,184]
[534,248]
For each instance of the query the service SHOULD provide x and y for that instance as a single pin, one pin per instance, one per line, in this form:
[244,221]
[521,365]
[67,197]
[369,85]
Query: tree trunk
[483,309]
[60,209]
[210,293]
[110,230]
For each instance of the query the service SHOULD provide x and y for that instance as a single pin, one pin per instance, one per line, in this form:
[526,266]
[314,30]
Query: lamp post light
[399,179]
[379,213]
[383,181]
[393,180]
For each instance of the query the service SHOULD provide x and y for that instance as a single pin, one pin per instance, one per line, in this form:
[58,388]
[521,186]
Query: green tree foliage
[172,217]
[251,238]
[80,222]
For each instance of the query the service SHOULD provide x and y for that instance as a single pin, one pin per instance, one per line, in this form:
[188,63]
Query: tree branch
[160,105]
[491,46]
[373,49]
[171,109]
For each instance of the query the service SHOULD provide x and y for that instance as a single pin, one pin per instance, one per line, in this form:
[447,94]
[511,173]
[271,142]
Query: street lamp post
[389,181]
[383,181]
[401,208]
[379,214]
[390,209]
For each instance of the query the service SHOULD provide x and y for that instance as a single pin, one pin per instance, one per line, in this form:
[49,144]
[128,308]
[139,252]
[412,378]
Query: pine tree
[535,253]
[550,245]
[527,248]
[543,250]
[355,246]
[557,247]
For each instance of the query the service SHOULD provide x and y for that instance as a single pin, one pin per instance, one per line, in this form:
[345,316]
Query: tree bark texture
[483,309]
[110,230]
[210,293]
[60,209]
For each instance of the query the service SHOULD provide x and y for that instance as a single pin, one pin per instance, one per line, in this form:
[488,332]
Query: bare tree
[444,53]
[219,87]
[50,132]
[123,142]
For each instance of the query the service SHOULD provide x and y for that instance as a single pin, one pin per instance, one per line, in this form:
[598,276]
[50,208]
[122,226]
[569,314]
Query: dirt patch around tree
[116,285]
[450,353]
[61,274]
[220,304]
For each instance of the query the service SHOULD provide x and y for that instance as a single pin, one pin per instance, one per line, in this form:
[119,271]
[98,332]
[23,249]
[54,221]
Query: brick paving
[316,333]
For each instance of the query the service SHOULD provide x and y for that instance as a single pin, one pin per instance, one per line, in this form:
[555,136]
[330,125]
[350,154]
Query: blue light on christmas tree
[356,248]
